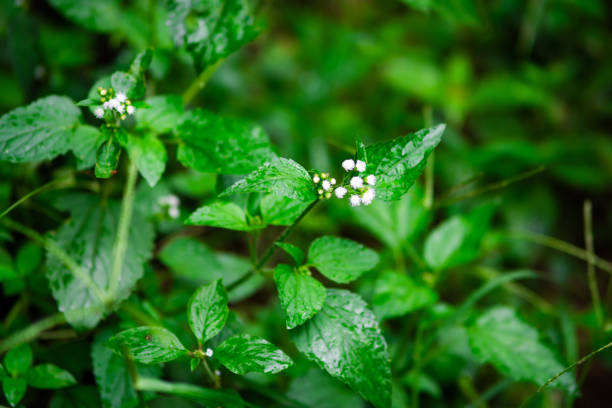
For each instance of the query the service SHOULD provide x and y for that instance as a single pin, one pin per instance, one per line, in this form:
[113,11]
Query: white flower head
[114,104]
[169,199]
[333,181]
[316,178]
[208,352]
[348,164]
[99,112]
[340,192]
[121,97]
[368,196]
[120,108]
[355,200]
[130,109]
[371,179]
[107,105]
[356,182]
[173,212]
[326,185]
[360,165]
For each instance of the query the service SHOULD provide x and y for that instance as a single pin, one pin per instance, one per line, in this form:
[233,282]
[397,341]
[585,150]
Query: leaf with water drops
[245,353]
[344,339]
[88,238]
[301,295]
[14,389]
[160,113]
[18,360]
[211,143]
[99,15]
[39,131]
[397,294]
[147,344]
[296,253]
[85,143]
[208,311]
[222,214]
[340,259]
[397,163]
[149,153]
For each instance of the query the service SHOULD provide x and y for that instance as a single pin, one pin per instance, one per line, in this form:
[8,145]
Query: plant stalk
[588,243]
[200,82]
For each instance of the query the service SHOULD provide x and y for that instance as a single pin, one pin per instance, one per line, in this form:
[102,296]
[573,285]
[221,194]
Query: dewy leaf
[88,238]
[99,15]
[148,345]
[317,389]
[132,82]
[210,30]
[245,353]
[40,131]
[296,253]
[344,339]
[18,360]
[501,338]
[149,153]
[279,210]
[113,377]
[161,113]
[397,163]
[301,295]
[341,260]
[396,294]
[211,143]
[107,156]
[280,176]
[85,143]
[49,376]
[222,214]
[14,389]
[208,311]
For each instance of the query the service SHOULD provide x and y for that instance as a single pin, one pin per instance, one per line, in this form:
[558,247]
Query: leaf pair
[20,373]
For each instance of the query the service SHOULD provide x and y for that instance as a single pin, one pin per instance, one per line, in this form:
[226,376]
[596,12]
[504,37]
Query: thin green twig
[31,332]
[58,183]
[200,82]
[588,243]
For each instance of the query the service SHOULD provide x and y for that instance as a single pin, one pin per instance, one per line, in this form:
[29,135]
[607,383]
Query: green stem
[588,243]
[123,230]
[51,246]
[31,332]
[200,82]
[45,187]
[214,379]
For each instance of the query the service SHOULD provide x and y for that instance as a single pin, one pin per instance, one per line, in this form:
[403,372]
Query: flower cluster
[326,186]
[113,102]
[360,188]
[169,203]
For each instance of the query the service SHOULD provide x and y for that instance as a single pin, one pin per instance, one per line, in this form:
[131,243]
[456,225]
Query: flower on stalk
[99,112]
[169,204]
[348,164]
[355,200]
[115,103]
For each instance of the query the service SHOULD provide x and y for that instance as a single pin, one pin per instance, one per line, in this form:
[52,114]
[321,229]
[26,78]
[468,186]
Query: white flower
[340,192]
[371,179]
[348,164]
[316,178]
[120,108]
[361,166]
[326,185]
[368,196]
[356,182]
[355,200]
[113,103]
[121,97]
[169,199]
[130,109]
[99,113]
[333,181]
[107,105]
[173,212]
[208,352]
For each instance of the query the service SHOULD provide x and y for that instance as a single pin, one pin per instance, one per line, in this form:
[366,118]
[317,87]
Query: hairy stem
[31,332]
[54,184]
[200,82]
[123,230]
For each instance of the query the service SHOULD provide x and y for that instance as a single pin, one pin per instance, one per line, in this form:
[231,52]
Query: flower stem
[31,332]
[123,230]
[199,83]
[58,183]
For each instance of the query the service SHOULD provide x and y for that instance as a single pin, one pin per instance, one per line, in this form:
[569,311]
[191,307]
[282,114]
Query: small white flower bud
[333,181]
[172,200]
[99,113]
[348,164]
[356,182]
[173,212]
[355,200]
[130,109]
[121,97]
[120,108]
[107,105]
[320,191]
[371,179]
[326,185]
[208,352]
[361,166]
[368,196]
[316,178]
[340,192]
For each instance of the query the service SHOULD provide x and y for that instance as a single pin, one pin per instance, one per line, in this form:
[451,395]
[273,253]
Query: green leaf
[207,397]
[85,143]
[18,360]
[148,345]
[83,396]
[49,376]
[88,238]
[301,295]
[316,389]
[99,15]
[210,30]
[222,214]
[22,40]
[211,143]
[341,260]
[39,131]
[132,82]
[2,372]
[113,377]
[296,253]
[14,389]
[245,353]
[149,153]
[107,156]
[501,338]
[396,294]
[344,339]
[161,113]
[279,210]
[280,176]
[397,163]
[208,311]
[29,257]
